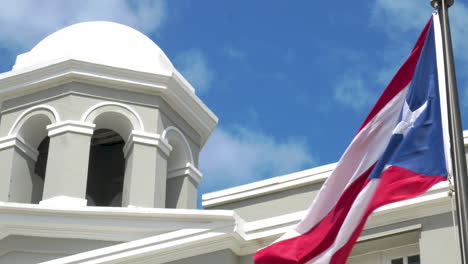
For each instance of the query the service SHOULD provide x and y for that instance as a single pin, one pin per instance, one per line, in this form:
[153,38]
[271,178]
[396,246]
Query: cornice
[433,202]
[19,143]
[316,175]
[164,235]
[169,85]
[103,223]
[245,238]
[147,139]
[70,126]
[189,170]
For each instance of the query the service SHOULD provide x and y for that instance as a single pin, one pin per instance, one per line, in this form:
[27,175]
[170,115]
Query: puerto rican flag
[400,151]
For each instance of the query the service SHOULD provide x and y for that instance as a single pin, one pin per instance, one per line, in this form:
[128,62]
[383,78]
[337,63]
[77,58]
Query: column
[182,187]
[17,160]
[67,163]
[145,170]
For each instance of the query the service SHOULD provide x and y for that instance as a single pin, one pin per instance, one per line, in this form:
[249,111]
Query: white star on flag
[408,118]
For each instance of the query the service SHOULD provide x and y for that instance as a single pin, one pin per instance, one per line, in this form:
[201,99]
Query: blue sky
[291,81]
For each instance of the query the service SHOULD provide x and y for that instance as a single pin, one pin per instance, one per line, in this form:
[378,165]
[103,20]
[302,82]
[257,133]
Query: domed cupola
[96,115]
[100,42]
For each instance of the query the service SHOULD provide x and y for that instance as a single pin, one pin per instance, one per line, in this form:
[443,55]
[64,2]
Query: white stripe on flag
[352,221]
[365,149]
[442,90]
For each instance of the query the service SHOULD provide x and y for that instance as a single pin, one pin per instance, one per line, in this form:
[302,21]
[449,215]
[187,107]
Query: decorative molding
[185,243]
[70,126]
[435,201]
[183,233]
[316,175]
[180,97]
[21,144]
[181,135]
[103,223]
[188,170]
[55,116]
[180,79]
[138,126]
[145,138]
[392,232]
[162,248]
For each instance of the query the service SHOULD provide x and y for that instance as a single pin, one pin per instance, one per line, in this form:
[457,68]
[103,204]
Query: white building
[99,143]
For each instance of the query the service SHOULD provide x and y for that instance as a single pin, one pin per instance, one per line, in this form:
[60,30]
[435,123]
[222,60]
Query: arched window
[40,170]
[106,169]
[28,170]
[180,159]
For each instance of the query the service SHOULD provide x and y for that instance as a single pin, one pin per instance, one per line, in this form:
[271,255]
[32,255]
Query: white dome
[99,42]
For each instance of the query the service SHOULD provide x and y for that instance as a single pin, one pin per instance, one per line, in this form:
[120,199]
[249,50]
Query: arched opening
[181,153]
[40,170]
[31,163]
[178,161]
[106,167]
[178,156]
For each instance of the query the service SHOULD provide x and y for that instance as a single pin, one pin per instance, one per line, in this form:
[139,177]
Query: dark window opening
[41,163]
[106,169]
[40,171]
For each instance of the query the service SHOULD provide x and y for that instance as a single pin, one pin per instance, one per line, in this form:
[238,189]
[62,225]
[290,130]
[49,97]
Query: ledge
[147,139]
[188,170]
[272,185]
[172,87]
[70,126]
[104,223]
[21,144]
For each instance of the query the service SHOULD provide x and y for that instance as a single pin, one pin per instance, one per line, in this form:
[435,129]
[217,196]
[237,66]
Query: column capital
[188,170]
[145,138]
[21,144]
[70,126]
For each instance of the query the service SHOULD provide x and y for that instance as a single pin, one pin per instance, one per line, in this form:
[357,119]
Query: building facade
[99,143]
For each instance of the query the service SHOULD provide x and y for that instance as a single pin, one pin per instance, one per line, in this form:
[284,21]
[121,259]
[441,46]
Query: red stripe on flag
[396,184]
[305,247]
[401,79]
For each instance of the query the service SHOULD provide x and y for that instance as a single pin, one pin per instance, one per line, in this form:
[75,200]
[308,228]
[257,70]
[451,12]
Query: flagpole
[455,127]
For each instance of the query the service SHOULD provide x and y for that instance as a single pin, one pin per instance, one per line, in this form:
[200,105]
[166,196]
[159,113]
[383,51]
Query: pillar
[182,187]
[145,170]
[17,160]
[67,163]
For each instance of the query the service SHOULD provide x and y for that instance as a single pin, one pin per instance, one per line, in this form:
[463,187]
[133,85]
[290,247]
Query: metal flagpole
[455,125]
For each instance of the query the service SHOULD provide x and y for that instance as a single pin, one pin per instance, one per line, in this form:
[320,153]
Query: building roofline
[276,184]
[246,238]
[271,185]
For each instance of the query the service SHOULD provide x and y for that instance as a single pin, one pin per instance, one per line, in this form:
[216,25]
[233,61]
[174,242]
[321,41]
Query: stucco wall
[218,257]
[274,204]
[27,250]
[73,99]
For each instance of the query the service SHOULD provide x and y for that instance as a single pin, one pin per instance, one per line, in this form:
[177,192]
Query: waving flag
[400,151]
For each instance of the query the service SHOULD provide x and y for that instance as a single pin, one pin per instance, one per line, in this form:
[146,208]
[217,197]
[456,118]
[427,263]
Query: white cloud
[352,90]
[401,21]
[26,22]
[399,16]
[239,155]
[194,66]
